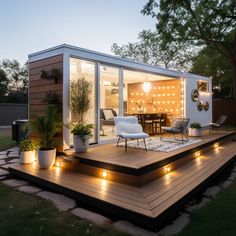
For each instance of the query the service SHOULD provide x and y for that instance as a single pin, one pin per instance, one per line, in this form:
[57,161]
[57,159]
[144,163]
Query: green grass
[5,139]
[21,214]
[217,218]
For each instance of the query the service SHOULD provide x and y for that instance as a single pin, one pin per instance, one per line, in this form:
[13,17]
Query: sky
[28,26]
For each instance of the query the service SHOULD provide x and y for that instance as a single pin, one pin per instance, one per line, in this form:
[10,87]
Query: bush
[195,125]
[28,145]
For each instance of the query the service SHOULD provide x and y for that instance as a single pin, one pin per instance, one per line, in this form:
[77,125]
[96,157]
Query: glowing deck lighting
[197,154]
[58,163]
[167,169]
[104,174]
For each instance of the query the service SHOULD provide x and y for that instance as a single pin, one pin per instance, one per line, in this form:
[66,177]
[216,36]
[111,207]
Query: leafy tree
[149,49]
[3,85]
[198,22]
[17,81]
[216,67]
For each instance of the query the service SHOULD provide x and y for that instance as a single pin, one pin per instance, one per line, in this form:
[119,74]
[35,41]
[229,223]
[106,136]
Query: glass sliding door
[80,69]
[109,101]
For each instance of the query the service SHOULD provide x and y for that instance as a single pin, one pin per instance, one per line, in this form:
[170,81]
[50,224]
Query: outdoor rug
[154,144]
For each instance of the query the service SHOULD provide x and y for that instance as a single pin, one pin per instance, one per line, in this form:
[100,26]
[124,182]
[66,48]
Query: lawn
[5,139]
[21,214]
[217,218]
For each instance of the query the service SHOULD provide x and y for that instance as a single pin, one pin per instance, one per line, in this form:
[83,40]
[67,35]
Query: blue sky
[28,26]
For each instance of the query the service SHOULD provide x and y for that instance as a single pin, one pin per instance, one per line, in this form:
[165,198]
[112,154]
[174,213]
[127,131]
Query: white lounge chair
[129,128]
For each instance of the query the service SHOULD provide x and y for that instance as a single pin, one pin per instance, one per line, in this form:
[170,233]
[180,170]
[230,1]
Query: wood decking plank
[150,200]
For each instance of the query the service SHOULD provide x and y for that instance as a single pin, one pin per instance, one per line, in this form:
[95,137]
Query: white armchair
[129,128]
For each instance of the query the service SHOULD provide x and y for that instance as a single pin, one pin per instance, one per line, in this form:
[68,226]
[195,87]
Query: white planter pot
[81,145]
[46,158]
[27,157]
[194,132]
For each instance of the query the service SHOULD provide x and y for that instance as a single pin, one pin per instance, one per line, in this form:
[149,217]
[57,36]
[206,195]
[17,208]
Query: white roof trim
[74,51]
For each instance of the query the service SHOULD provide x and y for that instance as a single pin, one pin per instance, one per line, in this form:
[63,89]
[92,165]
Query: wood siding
[38,87]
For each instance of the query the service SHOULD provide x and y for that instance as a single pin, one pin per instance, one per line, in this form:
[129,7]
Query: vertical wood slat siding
[38,87]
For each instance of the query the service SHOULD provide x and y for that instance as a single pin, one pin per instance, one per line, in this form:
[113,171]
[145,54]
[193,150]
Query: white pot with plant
[81,135]
[195,129]
[27,151]
[46,128]
[80,103]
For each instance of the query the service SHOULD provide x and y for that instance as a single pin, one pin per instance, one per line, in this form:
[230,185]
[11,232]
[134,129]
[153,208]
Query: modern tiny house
[119,87]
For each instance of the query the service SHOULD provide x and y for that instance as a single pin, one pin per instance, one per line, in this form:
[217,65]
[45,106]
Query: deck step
[148,205]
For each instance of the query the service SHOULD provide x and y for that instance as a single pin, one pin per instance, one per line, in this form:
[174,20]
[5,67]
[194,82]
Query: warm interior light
[104,174]
[147,87]
[216,145]
[197,154]
[167,169]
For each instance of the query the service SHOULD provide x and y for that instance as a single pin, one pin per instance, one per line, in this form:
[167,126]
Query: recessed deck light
[167,169]
[58,163]
[197,154]
[104,174]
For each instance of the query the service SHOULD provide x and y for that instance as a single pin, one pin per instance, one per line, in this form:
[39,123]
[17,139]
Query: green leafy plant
[80,98]
[53,99]
[53,74]
[195,125]
[82,130]
[46,127]
[28,145]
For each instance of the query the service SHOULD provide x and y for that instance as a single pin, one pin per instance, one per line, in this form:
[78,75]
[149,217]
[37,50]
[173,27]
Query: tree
[149,49]
[3,85]
[17,81]
[216,67]
[199,22]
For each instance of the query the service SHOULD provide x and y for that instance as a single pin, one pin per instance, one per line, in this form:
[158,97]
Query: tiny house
[119,87]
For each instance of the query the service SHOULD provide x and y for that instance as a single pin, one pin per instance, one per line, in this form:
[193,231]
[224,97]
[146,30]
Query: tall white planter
[27,157]
[194,132]
[46,158]
[81,145]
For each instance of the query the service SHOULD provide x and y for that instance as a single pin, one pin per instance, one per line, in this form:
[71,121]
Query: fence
[224,107]
[12,111]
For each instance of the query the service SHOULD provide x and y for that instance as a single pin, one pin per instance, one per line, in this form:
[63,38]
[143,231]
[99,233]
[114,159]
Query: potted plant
[195,129]
[80,103]
[27,151]
[81,135]
[46,128]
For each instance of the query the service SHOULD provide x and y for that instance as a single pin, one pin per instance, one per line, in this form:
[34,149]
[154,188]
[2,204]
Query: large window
[109,101]
[85,69]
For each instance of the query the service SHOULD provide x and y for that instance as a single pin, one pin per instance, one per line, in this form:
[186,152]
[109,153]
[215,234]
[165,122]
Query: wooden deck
[148,205]
[110,156]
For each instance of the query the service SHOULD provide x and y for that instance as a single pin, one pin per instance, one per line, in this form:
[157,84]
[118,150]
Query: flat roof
[78,52]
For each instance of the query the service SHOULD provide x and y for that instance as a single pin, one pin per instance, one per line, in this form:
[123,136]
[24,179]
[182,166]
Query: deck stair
[149,205]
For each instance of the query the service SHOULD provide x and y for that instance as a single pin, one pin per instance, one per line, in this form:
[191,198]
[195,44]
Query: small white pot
[194,132]
[27,157]
[81,145]
[46,158]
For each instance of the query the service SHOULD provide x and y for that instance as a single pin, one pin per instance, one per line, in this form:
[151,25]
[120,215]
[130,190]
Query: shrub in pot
[46,128]
[79,104]
[195,129]
[27,151]
[81,135]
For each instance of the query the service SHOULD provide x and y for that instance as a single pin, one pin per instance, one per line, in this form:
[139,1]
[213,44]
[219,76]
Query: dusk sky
[28,26]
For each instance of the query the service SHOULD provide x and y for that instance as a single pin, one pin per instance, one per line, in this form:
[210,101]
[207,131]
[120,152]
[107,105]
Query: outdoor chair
[218,124]
[129,128]
[179,126]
